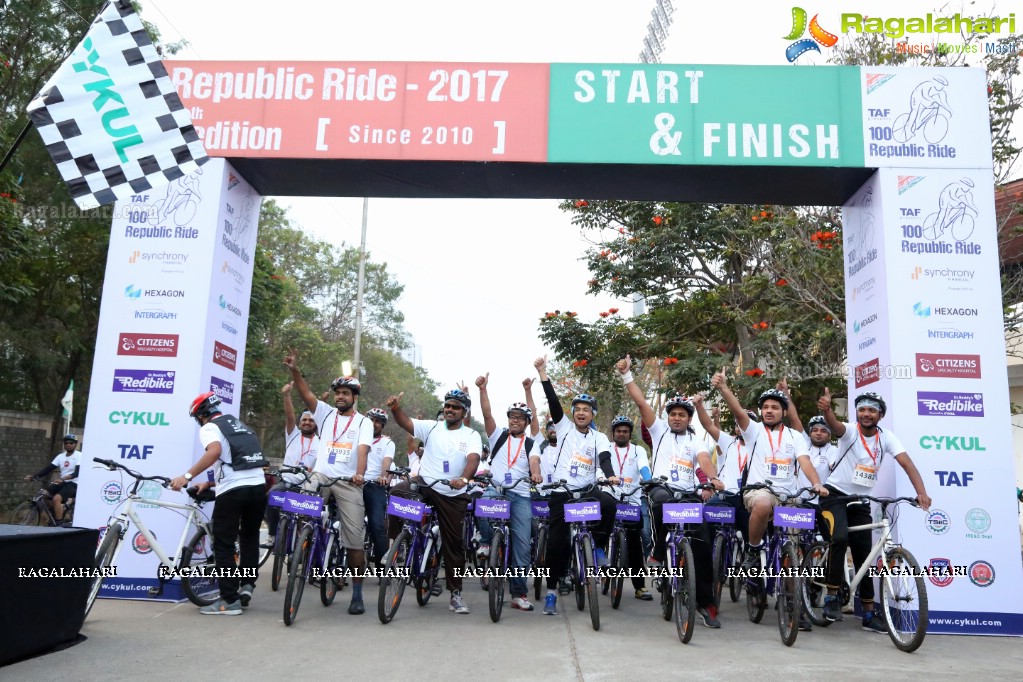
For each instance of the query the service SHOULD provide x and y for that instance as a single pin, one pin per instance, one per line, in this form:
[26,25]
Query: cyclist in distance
[67,462]
[381,454]
[633,465]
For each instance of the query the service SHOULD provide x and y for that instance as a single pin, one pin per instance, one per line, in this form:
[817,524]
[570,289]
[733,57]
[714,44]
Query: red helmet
[204,405]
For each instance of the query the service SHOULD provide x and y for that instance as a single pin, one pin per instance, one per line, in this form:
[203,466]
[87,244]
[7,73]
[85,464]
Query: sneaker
[644,595]
[600,556]
[222,608]
[565,586]
[245,594]
[752,558]
[483,552]
[522,603]
[804,623]
[550,605]
[356,608]
[437,589]
[458,604]
[708,616]
[873,623]
[653,562]
[832,609]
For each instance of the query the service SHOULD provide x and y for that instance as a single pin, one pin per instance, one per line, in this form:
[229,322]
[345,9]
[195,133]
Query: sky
[479,274]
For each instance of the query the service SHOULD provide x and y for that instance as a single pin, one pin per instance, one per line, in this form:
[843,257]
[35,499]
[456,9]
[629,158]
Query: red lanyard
[303,451]
[377,440]
[877,445]
[770,440]
[344,430]
[508,458]
[742,460]
[621,462]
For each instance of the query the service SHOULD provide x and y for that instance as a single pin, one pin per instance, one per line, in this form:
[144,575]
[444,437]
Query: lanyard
[621,462]
[877,445]
[770,440]
[344,430]
[377,440]
[508,458]
[303,451]
[742,460]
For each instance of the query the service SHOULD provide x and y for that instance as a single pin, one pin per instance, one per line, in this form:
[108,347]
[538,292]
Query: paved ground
[129,639]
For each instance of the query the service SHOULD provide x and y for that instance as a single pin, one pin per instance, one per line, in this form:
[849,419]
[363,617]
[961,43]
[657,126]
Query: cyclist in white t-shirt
[731,462]
[374,492]
[300,448]
[862,448]
[774,453]
[67,464]
[632,466]
[515,456]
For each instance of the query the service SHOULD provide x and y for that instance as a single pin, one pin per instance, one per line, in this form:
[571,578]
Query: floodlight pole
[362,286]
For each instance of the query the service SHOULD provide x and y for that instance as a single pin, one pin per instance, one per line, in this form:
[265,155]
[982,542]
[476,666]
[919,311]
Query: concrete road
[129,640]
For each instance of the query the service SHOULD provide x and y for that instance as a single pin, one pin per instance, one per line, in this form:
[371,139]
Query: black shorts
[66,489]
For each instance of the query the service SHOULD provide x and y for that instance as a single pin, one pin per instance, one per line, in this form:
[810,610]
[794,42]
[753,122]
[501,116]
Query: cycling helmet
[204,405]
[585,398]
[773,394]
[72,438]
[753,415]
[871,397]
[622,420]
[459,396]
[521,407]
[680,401]
[346,382]
[817,421]
[377,413]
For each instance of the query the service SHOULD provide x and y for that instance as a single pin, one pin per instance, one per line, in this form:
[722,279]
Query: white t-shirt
[627,463]
[675,456]
[733,457]
[224,475]
[856,472]
[773,455]
[299,451]
[513,458]
[575,457]
[446,452]
[380,449]
[340,438]
[822,458]
[66,464]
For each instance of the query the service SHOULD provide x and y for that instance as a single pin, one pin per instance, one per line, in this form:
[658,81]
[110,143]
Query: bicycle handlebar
[111,465]
[331,481]
[505,488]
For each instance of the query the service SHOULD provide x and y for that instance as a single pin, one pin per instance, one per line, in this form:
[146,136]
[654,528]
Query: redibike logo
[164,345]
[138,418]
[948,366]
[583,511]
[225,356]
[143,381]
[222,389]
[305,504]
[491,507]
[684,515]
[949,443]
[943,404]
[795,517]
[868,372]
[407,508]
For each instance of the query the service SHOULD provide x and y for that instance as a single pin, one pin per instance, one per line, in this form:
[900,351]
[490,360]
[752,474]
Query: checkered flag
[110,117]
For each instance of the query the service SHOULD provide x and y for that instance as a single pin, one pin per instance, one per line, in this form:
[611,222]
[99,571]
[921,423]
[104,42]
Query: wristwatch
[465,480]
[188,476]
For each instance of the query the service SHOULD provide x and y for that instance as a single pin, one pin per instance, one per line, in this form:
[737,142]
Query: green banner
[705,114]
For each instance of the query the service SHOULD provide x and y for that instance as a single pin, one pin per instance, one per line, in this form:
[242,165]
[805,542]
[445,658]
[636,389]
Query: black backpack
[246,450]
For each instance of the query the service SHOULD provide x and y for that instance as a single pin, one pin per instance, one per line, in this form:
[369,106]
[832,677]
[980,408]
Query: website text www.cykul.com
[965,622]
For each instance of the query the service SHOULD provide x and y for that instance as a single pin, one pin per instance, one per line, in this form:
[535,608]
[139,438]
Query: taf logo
[938,522]
[132,451]
[981,573]
[959,479]
[804,45]
[940,573]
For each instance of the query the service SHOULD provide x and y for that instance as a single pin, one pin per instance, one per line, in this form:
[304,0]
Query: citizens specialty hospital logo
[818,36]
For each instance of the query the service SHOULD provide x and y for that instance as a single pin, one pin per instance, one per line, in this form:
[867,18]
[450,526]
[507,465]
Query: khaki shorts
[750,498]
[351,508]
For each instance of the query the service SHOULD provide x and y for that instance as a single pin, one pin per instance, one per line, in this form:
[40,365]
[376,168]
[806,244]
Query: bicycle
[904,613]
[199,589]
[38,509]
[538,547]
[780,560]
[932,120]
[470,531]
[678,591]
[287,526]
[618,547]
[726,549]
[499,510]
[317,546]
[414,556]
[580,517]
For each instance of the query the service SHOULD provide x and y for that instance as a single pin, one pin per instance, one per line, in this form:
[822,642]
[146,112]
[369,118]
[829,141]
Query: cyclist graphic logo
[818,36]
[861,251]
[180,203]
[928,115]
[956,213]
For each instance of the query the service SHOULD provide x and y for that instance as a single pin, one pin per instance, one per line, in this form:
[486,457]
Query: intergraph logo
[803,45]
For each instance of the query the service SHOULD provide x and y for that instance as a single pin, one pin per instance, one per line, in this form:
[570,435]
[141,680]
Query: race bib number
[684,469]
[339,453]
[580,462]
[778,467]
[865,475]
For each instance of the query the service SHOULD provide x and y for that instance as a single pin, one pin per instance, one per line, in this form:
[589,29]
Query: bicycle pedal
[155,591]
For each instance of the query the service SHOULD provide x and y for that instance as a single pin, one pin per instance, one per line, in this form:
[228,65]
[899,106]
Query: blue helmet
[585,398]
[622,420]
[459,396]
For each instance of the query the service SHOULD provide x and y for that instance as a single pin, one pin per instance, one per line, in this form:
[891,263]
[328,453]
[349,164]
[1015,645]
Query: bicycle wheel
[265,547]
[104,557]
[577,580]
[620,560]
[425,582]
[665,583]
[25,514]
[392,585]
[281,547]
[539,561]
[904,600]
[788,593]
[718,568]
[685,594]
[734,583]
[900,131]
[297,574]
[496,591]
[591,582]
[198,557]
[332,561]
[812,588]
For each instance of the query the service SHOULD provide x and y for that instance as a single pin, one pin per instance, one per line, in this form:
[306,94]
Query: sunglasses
[454,406]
